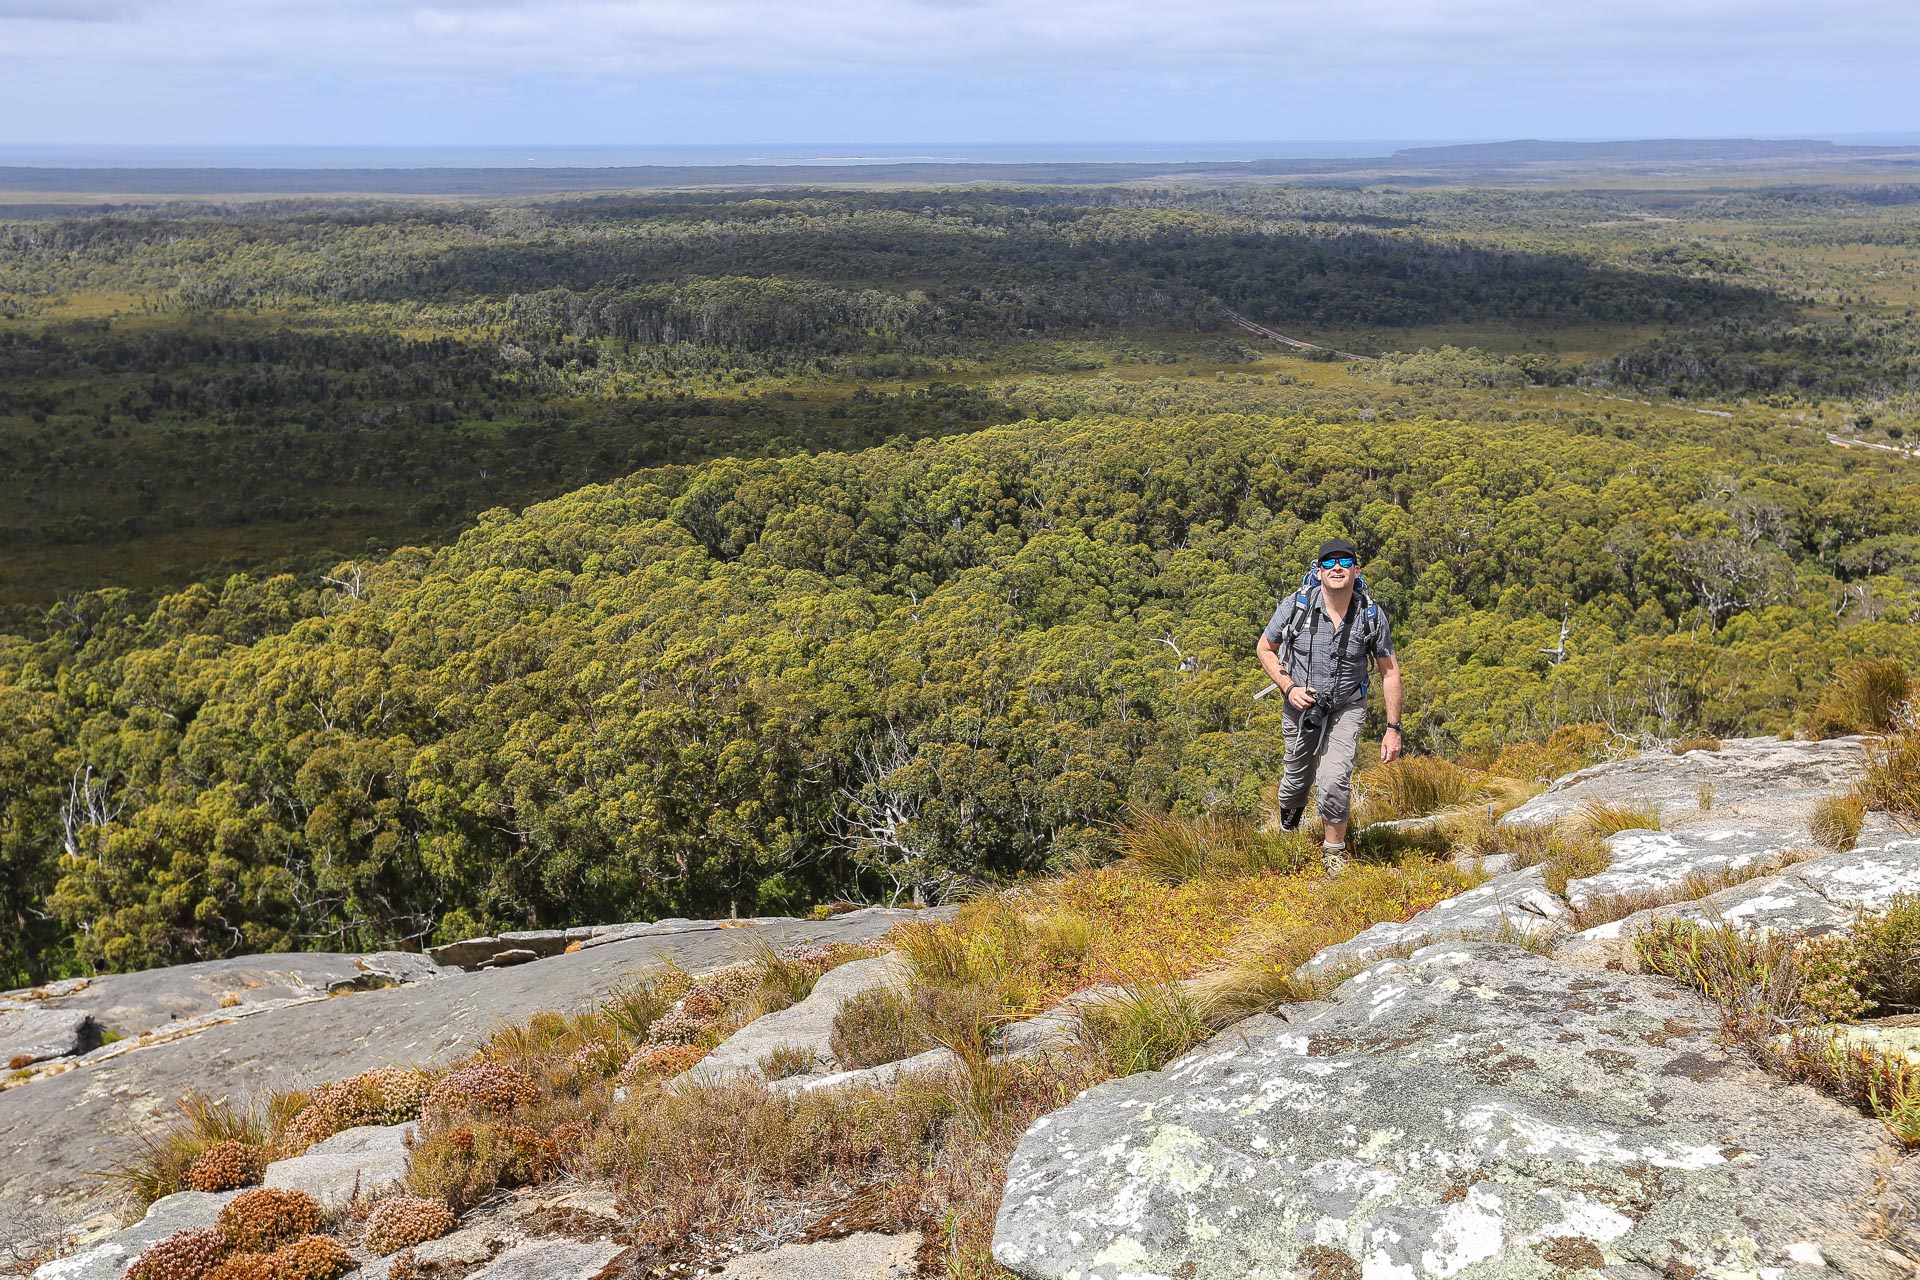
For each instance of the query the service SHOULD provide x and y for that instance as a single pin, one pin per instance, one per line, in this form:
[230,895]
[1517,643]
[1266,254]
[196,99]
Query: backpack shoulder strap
[1302,614]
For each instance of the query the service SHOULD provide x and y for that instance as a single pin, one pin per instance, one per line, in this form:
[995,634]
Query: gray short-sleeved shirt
[1314,656]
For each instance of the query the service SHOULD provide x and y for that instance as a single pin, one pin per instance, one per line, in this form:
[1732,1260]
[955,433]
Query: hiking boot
[1290,818]
[1333,858]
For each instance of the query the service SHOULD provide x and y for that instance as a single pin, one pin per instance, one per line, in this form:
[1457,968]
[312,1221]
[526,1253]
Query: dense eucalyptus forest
[376,574]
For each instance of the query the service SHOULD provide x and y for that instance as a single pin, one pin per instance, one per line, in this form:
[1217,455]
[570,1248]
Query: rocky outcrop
[1474,1110]
[30,1033]
[1816,896]
[1504,907]
[1755,784]
[55,1129]
[804,1028]
[354,1164]
[107,1259]
[863,1256]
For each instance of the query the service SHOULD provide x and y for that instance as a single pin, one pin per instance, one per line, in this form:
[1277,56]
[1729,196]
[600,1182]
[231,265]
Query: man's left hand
[1391,747]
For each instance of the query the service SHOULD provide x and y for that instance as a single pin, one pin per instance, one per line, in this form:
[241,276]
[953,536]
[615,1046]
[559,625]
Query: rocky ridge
[1459,1106]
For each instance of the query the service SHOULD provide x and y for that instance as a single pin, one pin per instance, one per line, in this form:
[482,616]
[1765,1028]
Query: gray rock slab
[1474,1111]
[108,1259]
[352,1164]
[1518,900]
[551,1260]
[881,1077]
[864,1256]
[1759,784]
[33,1033]
[1817,896]
[1655,861]
[131,1003]
[806,1027]
[53,1130]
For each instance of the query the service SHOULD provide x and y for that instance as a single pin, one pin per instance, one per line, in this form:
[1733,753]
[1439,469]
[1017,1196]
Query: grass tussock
[1417,786]
[1142,1026]
[1836,820]
[1568,749]
[1174,849]
[161,1161]
[1684,745]
[1603,818]
[1892,782]
[1867,695]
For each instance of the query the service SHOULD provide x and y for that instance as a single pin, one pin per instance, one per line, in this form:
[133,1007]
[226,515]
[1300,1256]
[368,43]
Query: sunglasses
[1338,562]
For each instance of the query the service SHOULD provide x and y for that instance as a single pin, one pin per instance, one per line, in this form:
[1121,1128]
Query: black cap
[1336,547]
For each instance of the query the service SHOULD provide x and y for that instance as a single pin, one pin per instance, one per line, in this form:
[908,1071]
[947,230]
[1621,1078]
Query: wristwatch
[1395,726]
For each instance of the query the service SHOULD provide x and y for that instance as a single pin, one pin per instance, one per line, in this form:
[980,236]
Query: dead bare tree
[87,806]
[875,822]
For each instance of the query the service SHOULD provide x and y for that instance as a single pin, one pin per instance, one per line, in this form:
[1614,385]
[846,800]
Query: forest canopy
[748,684]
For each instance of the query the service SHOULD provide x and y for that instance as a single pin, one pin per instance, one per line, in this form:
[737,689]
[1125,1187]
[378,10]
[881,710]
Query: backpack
[1306,611]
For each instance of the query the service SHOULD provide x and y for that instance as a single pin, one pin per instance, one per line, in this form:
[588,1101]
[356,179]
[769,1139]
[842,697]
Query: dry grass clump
[226,1166]
[400,1222]
[158,1166]
[876,1027]
[1174,849]
[1867,695]
[265,1217]
[1884,1084]
[184,1255]
[785,1061]
[1569,851]
[1835,821]
[1684,745]
[1892,781]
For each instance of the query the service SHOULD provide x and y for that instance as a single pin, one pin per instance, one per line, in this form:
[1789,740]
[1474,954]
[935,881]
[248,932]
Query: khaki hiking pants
[1331,766]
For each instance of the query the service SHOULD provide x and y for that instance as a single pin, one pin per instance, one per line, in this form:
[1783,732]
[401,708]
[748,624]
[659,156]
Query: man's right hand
[1300,697]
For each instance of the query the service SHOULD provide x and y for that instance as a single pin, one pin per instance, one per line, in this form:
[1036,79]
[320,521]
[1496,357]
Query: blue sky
[387,72]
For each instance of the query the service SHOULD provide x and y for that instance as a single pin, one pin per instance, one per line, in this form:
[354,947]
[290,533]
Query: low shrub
[244,1266]
[486,1088]
[1886,1085]
[1751,976]
[660,1061]
[184,1255]
[260,1219]
[877,1027]
[400,1222]
[461,1166]
[1835,821]
[226,1166]
[1888,944]
[383,1096]
[1685,745]
[1866,695]
[311,1257]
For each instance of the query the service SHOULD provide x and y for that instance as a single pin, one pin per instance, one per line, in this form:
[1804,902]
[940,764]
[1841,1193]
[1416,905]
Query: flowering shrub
[404,1221]
[227,1166]
[264,1217]
[184,1255]
[484,1088]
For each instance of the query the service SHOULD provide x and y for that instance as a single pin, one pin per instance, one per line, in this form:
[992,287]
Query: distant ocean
[559,157]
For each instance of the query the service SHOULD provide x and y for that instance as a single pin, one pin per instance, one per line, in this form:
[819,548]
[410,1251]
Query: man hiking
[1316,650]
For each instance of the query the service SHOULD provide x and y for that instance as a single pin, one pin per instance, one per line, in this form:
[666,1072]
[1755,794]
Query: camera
[1313,717]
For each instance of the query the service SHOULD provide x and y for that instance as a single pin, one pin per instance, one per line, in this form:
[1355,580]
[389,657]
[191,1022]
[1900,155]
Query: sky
[621,72]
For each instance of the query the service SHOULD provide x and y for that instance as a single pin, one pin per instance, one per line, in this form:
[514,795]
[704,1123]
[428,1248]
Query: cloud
[1404,52]
[64,10]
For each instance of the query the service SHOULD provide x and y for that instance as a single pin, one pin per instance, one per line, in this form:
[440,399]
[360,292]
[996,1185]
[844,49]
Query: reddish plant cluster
[486,1088]
[401,1222]
[227,1166]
